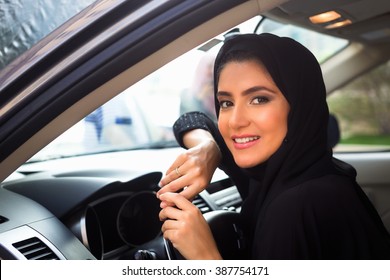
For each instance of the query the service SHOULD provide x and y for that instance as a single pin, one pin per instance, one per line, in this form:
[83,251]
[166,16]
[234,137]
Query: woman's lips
[244,142]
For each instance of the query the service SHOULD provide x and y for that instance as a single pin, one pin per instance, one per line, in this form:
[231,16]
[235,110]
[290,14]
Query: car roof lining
[369,26]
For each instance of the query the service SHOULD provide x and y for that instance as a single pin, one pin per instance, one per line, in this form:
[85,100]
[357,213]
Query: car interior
[101,203]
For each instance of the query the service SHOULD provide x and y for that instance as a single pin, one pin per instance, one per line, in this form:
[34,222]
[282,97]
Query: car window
[25,22]
[140,117]
[322,46]
[143,115]
[362,108]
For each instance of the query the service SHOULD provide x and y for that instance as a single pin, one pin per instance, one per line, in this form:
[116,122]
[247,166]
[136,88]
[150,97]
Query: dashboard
[91,214]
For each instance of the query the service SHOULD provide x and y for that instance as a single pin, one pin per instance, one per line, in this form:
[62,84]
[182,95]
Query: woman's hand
[186,228]
[192,170]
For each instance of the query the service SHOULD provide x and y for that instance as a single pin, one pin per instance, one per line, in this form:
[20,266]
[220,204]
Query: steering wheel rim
[228,233]
[172,252]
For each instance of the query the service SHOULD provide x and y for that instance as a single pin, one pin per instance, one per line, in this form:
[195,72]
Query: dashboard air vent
[34,249]
[227,198]
[201,204]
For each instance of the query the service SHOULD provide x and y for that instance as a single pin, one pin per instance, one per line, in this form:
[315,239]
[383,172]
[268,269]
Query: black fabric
[301,203]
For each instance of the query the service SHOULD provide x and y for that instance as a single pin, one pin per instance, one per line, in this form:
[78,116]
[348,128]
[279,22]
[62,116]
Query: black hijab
[296,72]
[304,155]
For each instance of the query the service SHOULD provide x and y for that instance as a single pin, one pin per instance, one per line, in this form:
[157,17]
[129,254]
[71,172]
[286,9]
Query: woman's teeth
[245,139]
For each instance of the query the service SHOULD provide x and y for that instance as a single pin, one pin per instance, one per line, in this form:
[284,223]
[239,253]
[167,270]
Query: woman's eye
[225,104]
[260,100]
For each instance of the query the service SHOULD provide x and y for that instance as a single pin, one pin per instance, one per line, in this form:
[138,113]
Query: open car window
[142,117]
[322,46]
[362,110]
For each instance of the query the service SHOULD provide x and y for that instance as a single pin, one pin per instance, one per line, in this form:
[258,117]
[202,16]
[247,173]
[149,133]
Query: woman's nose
[239,118]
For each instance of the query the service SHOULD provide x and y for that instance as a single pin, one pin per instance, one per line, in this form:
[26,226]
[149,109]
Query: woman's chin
[246,164]
[248,161]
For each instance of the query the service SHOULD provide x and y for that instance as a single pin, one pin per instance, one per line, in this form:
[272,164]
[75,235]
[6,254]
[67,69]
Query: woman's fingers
[190,173]
[173,216]
[185,226]
[184,177]
[175,171]
[177,200]
[169,213]
[192,170]
[176,217]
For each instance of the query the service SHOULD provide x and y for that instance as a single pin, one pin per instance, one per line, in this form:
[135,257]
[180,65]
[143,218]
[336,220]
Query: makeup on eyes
[226,99]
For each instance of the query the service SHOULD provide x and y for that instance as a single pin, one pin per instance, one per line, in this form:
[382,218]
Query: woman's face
[253,112]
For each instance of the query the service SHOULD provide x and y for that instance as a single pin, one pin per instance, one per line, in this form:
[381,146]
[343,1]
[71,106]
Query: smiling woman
[276,151]
[105,89]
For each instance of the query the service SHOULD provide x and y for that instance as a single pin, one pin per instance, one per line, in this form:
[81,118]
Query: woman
[298,201]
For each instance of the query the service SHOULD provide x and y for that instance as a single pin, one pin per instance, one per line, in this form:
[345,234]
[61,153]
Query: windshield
[142,116]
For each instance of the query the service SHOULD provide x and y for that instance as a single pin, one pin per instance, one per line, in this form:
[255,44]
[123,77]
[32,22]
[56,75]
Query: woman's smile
[245,142]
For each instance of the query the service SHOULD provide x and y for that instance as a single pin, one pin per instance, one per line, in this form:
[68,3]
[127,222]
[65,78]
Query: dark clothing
[328,217]
[301,203]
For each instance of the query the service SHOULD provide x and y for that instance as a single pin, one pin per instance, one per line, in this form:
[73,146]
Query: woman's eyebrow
[256,89]
[223,93]
[247,91]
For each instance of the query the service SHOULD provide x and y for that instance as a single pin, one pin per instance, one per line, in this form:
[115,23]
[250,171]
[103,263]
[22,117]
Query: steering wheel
[228,233]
